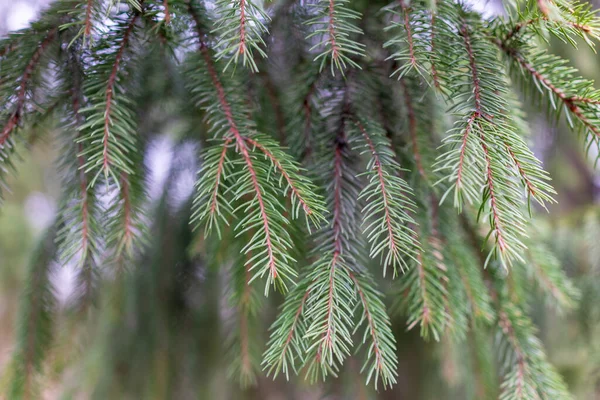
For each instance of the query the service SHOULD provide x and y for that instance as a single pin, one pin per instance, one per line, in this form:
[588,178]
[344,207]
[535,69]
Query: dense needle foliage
[355,163]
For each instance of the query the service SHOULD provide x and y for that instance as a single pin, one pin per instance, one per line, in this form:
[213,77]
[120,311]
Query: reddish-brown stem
[569,101]
[337,237]
[167,13]
[426,311]
[112,79]
[82,176]
[240,143]
[87,30]
[242,48]
[523,24]
[497,225]
[409,35]
[15,118]
[579,99]
[382,185]
[332,36]
[473,66]
[528,183]
[283,172]
[543,6]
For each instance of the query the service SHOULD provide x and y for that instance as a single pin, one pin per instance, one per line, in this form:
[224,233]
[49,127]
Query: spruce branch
[485,141]
[389,205]
[252,184]
[244,344]
[84,14]
[549,79]
[381,361]
[109,133]
[17,86]
[411,26]
[79,235]
[240,29]
[528,375]
[424,293]
[564,19]
[286,347]
[334,28]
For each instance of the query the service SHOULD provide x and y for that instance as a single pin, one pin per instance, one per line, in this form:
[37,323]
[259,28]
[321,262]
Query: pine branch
[389,206]
[550,80]
[240,29]
[111,135]
[381,361]
[411,26]
[286,346]
[17,85]
[529,374]
[334,27]
[252,184]
[483,143]
[424,296]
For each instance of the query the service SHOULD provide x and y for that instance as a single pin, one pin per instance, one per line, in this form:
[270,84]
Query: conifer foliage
[371,167]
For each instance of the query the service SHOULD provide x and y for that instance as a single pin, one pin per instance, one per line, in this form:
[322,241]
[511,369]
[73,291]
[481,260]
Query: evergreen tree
[356,164]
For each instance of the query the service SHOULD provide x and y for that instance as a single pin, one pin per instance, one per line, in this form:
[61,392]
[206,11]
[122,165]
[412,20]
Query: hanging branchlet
[336,284]
[550,81]
[110,134]
[527,373]
[479,144]
[109,140]
[423,292]
[380,361]
[565,19]
[543,268]
[20,79]
[240,29]
[334,30]
[263,174]
[369,141]
[387,214]
[80,235]
[85,15]
[411,30]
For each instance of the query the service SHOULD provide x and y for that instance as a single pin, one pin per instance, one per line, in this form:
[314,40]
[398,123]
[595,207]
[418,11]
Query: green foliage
[35,325]
[333,26]
[240,29]
[417,110]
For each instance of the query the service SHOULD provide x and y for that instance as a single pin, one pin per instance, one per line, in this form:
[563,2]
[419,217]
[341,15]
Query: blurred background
[572,226]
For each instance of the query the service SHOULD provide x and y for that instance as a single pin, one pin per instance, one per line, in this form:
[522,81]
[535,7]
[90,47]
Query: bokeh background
[572,226]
